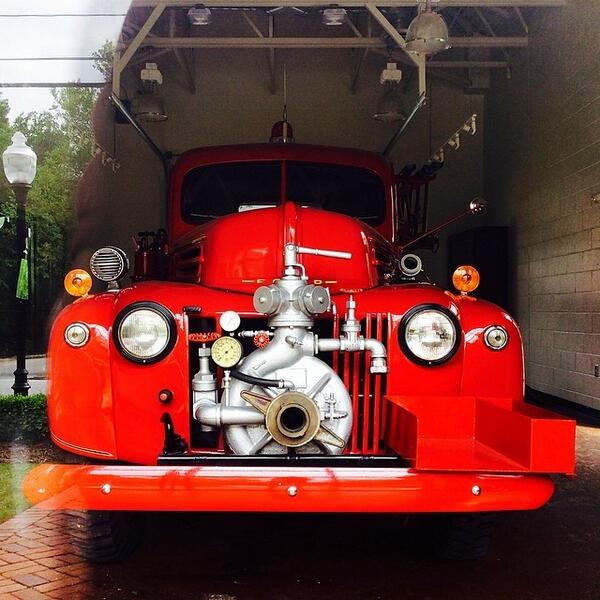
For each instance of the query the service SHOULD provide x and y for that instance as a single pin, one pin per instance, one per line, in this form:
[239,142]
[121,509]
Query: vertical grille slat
[377,396]
[356,401]
[367,385]
[336,334]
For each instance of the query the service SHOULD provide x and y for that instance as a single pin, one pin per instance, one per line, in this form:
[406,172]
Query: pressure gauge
[229,320]
[226,352]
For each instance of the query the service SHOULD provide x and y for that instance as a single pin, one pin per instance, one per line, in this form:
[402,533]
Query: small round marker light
[495,337]
[77,335]
[78,282]
[466,279]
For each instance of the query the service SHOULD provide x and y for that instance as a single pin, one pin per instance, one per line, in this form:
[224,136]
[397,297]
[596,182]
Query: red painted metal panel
[241,251]
[445,433]
[267,489]
[80,398]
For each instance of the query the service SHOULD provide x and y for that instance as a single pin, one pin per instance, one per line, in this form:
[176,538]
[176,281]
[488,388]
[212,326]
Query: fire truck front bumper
[297,488]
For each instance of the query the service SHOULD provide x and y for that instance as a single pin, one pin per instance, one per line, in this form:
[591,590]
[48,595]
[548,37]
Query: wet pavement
[553,553]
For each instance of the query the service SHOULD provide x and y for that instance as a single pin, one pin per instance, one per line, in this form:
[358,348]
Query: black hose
[256,380]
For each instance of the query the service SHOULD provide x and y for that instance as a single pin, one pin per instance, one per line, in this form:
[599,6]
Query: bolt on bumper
[280,489]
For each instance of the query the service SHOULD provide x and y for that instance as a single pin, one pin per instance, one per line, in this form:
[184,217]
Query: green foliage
[23,418]
[12,500]
[63,140]
[104,59]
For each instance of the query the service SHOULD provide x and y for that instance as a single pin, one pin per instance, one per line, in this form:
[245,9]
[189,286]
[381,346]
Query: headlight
[145,332]
[77,334]
[429,334]
[495,337]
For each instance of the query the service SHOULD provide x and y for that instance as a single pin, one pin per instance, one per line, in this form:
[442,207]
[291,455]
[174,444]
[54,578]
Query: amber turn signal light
[78,282]
[466,279]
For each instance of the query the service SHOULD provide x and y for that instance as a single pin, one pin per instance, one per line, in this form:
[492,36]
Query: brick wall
[542,173]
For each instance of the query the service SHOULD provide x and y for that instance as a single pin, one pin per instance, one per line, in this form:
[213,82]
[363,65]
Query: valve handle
[291,253]
[321,252]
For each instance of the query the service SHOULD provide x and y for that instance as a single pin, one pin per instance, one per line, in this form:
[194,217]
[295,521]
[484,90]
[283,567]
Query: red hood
[243,250]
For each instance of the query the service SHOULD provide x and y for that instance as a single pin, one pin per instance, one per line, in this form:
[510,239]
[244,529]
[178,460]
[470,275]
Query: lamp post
[20,163]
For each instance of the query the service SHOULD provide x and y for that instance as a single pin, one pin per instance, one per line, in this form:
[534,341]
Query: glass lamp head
[20,161]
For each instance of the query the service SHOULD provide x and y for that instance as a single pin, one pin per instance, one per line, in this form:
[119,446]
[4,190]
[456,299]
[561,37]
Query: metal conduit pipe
[217,415]
[375,347]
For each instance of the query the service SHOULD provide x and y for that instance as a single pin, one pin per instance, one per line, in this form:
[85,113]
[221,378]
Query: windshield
[212,191]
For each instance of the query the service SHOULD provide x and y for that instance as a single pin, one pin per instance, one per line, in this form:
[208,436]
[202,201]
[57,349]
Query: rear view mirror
[478,205]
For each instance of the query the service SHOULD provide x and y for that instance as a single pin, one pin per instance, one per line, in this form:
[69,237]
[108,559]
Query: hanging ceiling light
[199,15]
[334,15]
[428,32]
[390,107]
[148,106]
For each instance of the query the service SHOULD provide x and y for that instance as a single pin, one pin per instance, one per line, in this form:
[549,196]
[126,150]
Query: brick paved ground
[37,561]
[550,554]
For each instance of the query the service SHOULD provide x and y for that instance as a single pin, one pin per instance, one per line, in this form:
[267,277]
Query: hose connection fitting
[352,341]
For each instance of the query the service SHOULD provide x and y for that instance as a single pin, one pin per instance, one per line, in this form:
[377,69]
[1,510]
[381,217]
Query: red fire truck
[278,350]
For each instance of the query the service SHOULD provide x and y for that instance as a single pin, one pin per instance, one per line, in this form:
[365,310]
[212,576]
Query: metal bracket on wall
[454,141]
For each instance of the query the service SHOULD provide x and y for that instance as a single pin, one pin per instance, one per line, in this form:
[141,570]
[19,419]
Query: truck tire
[464,536]
[104,536]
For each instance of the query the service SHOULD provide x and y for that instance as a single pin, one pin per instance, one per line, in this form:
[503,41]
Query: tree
[104,59]
[63,140]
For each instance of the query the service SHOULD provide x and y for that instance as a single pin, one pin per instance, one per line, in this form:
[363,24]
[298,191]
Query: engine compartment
[281,398]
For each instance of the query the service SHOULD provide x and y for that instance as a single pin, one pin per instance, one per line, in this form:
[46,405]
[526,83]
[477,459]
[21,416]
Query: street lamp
[20,163]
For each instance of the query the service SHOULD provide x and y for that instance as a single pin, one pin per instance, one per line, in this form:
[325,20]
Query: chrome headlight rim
[86,337]
[404,324]
[159,309]
[489,330]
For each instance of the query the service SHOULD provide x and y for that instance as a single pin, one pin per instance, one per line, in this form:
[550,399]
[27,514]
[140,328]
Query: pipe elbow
[378,355]
[376,348]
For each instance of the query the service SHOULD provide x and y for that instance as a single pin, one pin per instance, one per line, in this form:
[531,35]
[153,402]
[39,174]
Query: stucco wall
[542,174]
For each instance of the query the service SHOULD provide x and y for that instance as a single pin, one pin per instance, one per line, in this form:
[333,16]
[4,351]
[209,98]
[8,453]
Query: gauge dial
[226,352]
[229,320]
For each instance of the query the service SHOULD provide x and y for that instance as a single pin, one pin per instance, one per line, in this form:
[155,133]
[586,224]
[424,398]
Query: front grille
[366,390]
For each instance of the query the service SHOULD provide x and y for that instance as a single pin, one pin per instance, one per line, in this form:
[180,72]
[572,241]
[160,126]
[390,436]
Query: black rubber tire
[464,536]
[105,536]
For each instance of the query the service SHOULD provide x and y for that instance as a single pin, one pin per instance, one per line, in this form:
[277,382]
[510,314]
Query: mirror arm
[475,208]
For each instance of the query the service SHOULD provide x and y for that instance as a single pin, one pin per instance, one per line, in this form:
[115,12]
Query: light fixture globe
[427,33]
[334,16]
[20,161]
[199,15]
[390,108]
[148,107]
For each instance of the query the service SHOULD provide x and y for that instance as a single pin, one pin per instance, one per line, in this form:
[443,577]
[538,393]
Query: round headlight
[77,335]
[429,334]
[109,264]
[145,332]
[495,337]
